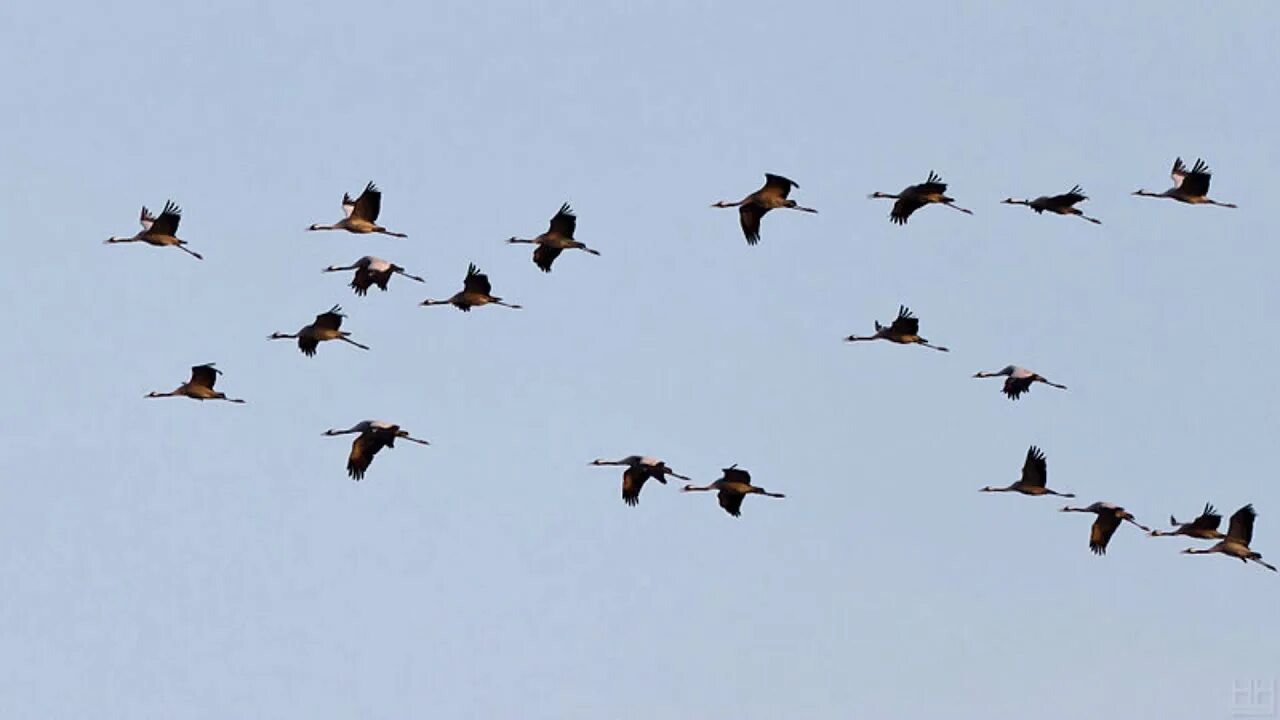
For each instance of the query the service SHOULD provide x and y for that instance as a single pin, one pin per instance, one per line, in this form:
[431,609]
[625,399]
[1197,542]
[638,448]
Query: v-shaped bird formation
[361,216]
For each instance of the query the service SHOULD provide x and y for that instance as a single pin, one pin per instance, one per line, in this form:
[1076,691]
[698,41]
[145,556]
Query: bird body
[1018,380]
[1034,477]
[640,469]
[159,231]
[904,330]
[557,239]
[371,437]
[914,197]
[476,291]
[361,214]
[199,387]
[732,488]
[327,326]
[1236,543]
[1109,517]
[1064,204]
[772,196]
[372,271]
[1189,186]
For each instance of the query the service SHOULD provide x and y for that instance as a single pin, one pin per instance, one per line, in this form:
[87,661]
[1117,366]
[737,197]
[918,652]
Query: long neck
[283,336]
[1198,551]
[728,204]
[884,195]
[318,226]
[696,488]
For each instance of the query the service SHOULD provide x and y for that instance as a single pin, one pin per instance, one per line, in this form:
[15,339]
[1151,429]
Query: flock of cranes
[735,484]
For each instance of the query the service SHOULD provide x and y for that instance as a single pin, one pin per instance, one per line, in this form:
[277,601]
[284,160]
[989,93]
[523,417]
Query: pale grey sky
[162,558]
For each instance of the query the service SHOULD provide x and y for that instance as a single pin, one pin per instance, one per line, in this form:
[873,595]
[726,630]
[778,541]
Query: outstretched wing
[1014,387]
[1100,534]
[167,223]
[564,223]
[907,203]
[1241,526]
[749,215]
[363,448]
[1208,520]
[632,482]
[731,501]
[146,218]
[331,320]
[1196,182]
[544,255]
[1034,469]
[932,186]
[735,474]
[204,375]
[778,185]
[1178,173]
[369,204]
[905,324]
[476,281]
[348,205]
[1069,198]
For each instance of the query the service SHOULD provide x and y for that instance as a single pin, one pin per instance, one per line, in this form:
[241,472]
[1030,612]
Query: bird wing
[167,223]
[735,474]
[1069,198]
[544,255]
[331,320]
[1196,182]
[1100,534]
[1241,526]
[906,204]
[564,223]
[932,186]
[1014,387]
[778,185]
[632,482]
[1208,520]
[749,215]
[348,204]
[476,281]
[146,219]
[1034,470]
[204,375]
[369,204]
[1178,173]
[905,323]
[363,448]
[731,501]
[308,345]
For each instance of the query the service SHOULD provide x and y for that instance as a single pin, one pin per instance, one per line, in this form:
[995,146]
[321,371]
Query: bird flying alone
[371,436]
[327,326]
[1064,204]
[1104,526]
[1034,476]
[754,206]
[1018,380]
[159,231]
[199,387]
[1236,543]
[476,291]
[372,271]
[914,197]
[361,214]
[640,469]
[557,239]
[904,330]
[732,488]
[1191,187]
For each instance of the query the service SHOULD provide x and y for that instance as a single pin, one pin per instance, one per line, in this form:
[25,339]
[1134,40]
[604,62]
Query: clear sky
[164,558]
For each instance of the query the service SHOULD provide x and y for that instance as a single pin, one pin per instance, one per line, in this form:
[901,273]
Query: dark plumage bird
[373,436]
[476,291]
[372,271]
[754,206]
[1204,527]
[1191,187]
[1018,380]
[904,330]
[327,326]
[199,387]
[914,197]
[159,231]
[1034,477]
[732,488]
[639,470]
[557,239]
[1236,544]
[361,214]
[1109,518]
[1064,204]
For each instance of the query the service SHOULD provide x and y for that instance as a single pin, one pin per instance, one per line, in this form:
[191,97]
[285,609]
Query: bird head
[1009,201]
[1188,551]
[988,488]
